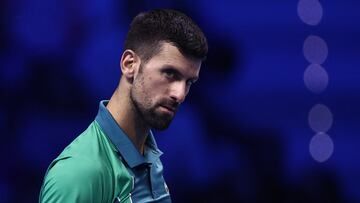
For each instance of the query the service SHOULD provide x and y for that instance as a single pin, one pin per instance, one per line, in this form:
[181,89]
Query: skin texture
[150,93]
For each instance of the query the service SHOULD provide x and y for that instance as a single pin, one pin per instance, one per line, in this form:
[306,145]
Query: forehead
[170,56]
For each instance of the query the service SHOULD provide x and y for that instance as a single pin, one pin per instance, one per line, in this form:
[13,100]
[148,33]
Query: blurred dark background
[243,133]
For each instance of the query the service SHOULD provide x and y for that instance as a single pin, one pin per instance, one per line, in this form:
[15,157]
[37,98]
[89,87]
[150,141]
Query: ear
[129,64]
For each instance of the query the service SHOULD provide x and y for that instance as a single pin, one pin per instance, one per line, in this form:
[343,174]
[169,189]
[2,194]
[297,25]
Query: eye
[190,82]
[169,73]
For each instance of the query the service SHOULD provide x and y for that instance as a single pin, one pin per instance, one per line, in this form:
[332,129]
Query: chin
[160,124]
[159,120]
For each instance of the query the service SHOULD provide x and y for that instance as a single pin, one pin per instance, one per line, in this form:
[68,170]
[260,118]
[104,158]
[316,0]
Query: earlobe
[128,64]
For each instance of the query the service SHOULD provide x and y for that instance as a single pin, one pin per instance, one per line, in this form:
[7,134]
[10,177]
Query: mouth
[168,109]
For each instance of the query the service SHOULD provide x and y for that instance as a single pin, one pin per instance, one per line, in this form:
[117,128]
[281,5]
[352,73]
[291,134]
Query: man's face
[162,84]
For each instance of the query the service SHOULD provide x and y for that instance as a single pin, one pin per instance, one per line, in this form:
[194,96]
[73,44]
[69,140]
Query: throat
[129,120]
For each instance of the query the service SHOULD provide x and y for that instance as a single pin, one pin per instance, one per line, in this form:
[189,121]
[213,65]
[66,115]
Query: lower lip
[167,110]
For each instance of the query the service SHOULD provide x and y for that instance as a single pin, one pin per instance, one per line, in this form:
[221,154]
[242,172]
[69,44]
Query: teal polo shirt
[103,165]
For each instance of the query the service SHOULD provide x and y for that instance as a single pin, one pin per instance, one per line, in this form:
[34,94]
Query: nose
[178,91]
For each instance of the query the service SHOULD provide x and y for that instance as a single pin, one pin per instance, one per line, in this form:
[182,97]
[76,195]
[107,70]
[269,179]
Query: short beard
[146,112]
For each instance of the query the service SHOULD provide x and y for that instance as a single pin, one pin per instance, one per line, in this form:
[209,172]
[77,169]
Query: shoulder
[72,179]
[88,170]
[76,168]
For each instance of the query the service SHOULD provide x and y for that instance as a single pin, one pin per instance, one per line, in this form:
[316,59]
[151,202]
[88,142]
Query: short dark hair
[149,30]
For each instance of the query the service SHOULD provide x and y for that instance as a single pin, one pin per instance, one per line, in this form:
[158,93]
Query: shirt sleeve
[73,180]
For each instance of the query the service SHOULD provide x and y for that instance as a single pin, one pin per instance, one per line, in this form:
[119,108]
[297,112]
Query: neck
[126,116]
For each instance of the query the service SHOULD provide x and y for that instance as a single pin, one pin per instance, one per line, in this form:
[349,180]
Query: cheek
[157,85]
[151,90]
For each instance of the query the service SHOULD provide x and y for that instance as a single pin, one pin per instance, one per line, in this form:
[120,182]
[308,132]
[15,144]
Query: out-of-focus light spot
[13,71]
[103,51]
[316,78]
[315,49]
[310,11]
[41,26]
[321,147]
[320,118]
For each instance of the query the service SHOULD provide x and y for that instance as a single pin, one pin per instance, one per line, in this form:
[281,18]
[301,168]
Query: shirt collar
[122,142]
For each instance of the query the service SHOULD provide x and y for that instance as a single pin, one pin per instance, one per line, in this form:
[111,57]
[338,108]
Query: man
[116,158]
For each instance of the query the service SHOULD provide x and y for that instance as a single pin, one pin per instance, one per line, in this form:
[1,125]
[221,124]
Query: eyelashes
[174,75]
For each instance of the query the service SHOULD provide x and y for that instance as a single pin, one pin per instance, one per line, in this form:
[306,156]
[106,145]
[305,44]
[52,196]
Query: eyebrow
[193,79]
